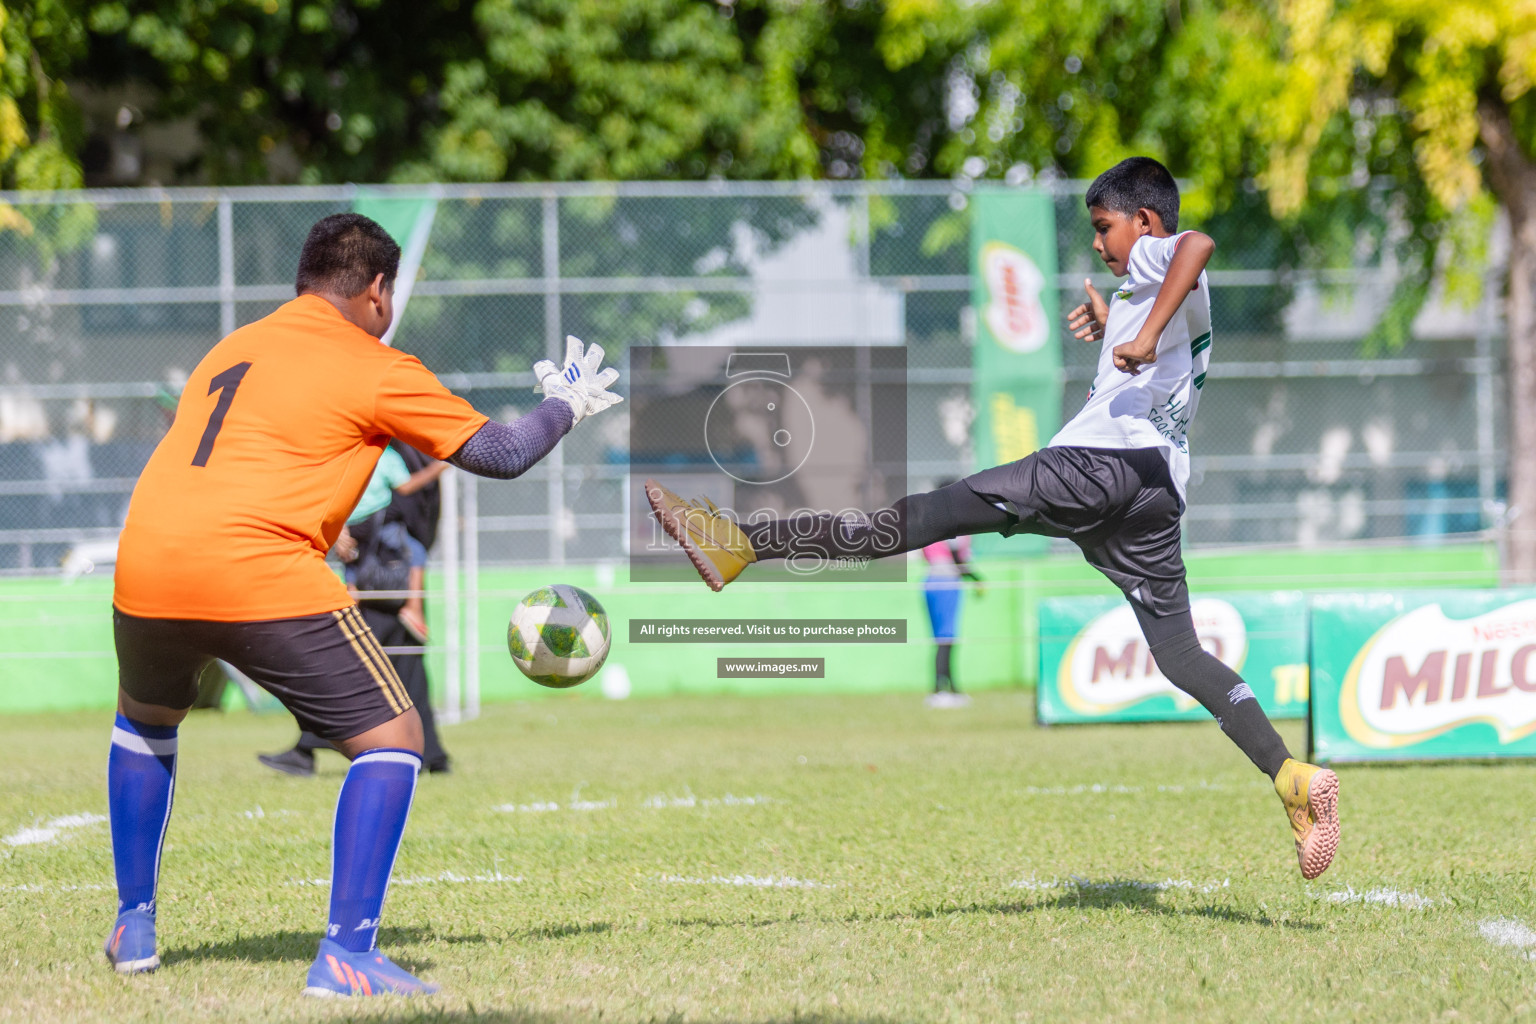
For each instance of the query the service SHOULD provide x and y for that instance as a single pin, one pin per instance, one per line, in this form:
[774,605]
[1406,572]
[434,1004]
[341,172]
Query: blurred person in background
[949,561]
[395,521]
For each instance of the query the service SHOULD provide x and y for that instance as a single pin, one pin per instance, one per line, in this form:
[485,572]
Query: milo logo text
[1424,674]
[1109,667]
[1013,312]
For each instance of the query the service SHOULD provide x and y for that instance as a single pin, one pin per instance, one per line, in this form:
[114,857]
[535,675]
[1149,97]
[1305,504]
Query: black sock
[309,743]
[1220,690]
[943,681]
[912,522]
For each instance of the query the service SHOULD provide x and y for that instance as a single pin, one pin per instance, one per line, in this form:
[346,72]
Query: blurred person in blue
[949,562]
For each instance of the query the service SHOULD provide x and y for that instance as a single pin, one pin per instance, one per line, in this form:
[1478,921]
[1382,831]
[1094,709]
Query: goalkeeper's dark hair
[1136,183]
[344,253]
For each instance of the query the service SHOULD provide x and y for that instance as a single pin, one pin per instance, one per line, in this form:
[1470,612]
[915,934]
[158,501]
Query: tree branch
[1508,166]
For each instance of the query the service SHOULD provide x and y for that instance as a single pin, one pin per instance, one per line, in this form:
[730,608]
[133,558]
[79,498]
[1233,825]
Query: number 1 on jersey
[226,383]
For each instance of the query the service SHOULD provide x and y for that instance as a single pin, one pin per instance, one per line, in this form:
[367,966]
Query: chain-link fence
[1302,439]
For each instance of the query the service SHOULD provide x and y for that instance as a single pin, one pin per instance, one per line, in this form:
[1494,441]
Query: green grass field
[789,858]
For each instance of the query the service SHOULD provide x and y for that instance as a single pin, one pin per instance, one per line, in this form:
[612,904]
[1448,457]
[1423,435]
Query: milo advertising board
[1424,675]
[1095,665]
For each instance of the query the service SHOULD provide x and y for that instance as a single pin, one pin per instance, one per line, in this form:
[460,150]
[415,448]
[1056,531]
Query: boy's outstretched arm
[1189,259]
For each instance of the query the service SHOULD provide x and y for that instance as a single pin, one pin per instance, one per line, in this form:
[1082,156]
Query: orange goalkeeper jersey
[275,437]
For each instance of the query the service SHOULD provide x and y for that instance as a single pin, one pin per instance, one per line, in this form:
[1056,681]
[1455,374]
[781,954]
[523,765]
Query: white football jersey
[1154,408]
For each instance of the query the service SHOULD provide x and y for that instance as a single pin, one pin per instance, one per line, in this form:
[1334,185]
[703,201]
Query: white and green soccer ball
[559,636]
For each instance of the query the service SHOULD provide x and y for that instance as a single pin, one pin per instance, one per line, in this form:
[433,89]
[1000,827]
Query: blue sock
[375,800]
[141,781]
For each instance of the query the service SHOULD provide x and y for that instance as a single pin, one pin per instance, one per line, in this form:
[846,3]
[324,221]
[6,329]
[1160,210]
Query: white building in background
[812,290]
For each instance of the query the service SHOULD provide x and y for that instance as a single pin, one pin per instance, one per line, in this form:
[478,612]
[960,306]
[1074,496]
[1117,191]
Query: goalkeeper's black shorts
[1119,505]
[327,669]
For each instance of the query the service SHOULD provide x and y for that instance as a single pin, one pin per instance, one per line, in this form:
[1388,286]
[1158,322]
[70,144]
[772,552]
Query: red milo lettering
[1012,304]
[1121,666]
[1462,676]
[1519,673]
[1428,682]
[1485,676]
[1396,679]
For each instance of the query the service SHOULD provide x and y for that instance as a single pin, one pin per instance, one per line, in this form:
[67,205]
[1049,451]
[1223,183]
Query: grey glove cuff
[507,450]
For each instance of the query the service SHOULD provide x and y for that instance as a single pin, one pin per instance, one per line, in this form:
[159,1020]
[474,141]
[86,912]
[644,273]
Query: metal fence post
[226,264]
[471,526]
[554,347]
[1487,469]
[864,399]
[449,529]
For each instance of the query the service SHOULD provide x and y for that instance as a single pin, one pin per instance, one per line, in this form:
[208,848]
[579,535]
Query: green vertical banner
[1411,676]
[408,219]
[1017,354]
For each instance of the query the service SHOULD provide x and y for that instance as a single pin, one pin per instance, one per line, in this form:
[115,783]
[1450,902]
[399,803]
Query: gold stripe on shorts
[346,630]
[387,667]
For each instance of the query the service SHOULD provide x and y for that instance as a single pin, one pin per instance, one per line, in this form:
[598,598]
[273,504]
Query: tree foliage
[344,89]
[40,131]
[582,89]
[573,89]
[1437,61]
[1398,92]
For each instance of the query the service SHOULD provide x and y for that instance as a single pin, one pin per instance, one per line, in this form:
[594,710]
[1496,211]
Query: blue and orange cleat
[338,971]
[131,944]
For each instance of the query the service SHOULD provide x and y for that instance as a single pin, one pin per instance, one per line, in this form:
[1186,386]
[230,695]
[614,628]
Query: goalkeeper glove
[578,383]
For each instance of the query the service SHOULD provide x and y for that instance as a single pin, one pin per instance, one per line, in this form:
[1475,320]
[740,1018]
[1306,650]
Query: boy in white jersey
[1112,481]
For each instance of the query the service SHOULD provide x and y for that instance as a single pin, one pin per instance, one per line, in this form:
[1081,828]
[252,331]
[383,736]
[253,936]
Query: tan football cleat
[1311,798]
[715,544]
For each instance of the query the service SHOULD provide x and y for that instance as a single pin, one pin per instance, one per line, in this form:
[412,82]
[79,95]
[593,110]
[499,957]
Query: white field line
[544,807]
[1095,788]
[441,878]
[52,830]
[753,881]
[660,801]
[257,813]
[1511,934]
[1077,884]
[87,887]
[1380,897]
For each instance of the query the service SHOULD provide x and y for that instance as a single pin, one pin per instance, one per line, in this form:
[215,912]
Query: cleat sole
[144,966]
[316,992]
[675,529]
[1316,852]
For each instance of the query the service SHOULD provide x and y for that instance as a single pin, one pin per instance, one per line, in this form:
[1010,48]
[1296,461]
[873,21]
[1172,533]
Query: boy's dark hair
[344,253]
[1135,183]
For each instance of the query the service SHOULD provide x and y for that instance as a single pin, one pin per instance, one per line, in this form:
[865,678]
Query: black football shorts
[1119,506]
[327,669]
